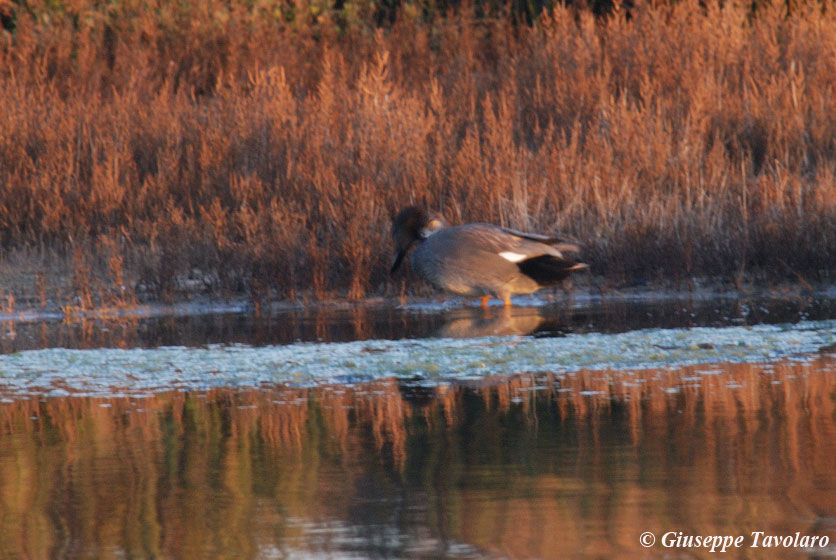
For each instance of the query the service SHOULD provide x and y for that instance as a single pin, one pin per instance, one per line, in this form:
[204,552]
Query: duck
[480,260]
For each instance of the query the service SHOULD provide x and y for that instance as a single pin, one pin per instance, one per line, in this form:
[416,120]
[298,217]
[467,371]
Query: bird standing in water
[480,260]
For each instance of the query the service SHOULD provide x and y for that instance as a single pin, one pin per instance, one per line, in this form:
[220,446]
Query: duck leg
[485,300]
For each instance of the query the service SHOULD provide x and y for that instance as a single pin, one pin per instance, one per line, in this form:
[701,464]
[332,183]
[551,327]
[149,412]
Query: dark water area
[593,463]
[394,322]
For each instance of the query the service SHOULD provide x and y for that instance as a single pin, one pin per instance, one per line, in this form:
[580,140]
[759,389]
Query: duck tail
[548,270]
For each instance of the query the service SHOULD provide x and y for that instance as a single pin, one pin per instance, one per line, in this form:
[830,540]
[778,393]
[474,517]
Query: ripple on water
[137,371]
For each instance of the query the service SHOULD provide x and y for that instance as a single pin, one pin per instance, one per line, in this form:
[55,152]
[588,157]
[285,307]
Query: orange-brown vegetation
[522,466]
[157,149]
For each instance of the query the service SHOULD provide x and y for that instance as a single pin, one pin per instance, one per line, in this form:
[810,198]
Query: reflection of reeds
[216,148]
[725,448]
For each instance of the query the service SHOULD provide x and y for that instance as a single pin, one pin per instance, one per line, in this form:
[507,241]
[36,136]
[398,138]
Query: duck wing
[559,243]
[542,258]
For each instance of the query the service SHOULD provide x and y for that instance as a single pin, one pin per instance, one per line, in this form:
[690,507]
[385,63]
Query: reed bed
[156,150]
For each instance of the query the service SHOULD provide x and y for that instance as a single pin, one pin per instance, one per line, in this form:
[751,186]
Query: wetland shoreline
[582,294]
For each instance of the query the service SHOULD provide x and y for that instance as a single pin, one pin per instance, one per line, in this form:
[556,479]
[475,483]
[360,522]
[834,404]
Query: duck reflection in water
[500,321]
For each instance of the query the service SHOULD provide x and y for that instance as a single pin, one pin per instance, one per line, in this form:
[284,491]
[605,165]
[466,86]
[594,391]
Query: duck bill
[398,260]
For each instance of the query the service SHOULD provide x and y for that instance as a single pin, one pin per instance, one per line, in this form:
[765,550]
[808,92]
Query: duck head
[412,225]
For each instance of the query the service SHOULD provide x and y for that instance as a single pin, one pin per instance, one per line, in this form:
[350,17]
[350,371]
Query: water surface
[425,431]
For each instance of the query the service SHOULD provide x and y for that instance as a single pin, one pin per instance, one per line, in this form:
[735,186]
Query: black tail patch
[548,270]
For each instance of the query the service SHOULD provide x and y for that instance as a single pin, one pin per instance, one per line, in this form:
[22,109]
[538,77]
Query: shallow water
[422,431]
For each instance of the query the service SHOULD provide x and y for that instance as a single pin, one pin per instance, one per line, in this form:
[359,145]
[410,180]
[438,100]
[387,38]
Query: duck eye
[433,225]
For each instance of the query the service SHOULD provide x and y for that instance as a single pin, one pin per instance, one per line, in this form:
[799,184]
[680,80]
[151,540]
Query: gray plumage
[481,259]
